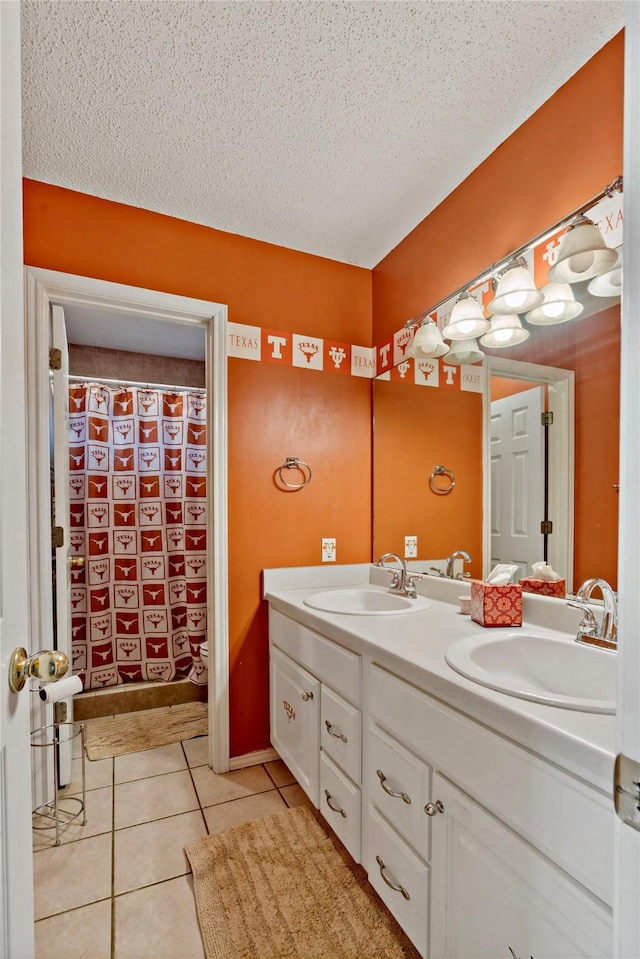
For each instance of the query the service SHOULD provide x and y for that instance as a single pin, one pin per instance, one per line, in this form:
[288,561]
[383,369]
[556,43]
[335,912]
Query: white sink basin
[555,671]
[365,601]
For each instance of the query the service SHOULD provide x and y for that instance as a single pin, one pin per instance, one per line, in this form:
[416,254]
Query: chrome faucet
[403,582]
[459,554]
[605,633]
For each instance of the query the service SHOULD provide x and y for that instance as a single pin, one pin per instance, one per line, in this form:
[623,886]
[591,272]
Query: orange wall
[411,436]
[560,157]
[274,412]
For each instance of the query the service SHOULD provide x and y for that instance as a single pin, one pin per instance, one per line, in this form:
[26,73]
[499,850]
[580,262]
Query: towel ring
[442,471]
[293,463]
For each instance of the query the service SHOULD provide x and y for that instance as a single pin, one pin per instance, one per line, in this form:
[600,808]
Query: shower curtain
[138,519]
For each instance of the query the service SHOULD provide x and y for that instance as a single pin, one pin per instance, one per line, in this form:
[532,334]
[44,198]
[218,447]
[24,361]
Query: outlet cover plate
[410,547]
[329,550]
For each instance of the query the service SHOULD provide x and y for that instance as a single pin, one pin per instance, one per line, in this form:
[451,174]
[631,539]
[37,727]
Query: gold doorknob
[76,562]
[46,665]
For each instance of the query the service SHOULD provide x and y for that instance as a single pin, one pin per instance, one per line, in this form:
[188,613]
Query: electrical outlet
[410,547]
[329,550]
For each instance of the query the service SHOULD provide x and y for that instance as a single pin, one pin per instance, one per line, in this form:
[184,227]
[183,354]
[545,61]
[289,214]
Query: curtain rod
[144,386]
[614,187]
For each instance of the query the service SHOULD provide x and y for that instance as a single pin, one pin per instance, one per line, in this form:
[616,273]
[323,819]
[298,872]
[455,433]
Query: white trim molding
[254,759]
[45,287]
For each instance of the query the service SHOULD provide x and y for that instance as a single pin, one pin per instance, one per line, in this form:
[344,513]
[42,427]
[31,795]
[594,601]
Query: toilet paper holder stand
[59,811]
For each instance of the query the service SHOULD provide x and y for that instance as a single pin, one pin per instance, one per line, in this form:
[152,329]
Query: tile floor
[120,887]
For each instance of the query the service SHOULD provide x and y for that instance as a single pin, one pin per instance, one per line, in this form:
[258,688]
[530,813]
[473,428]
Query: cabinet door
[295,720]
[494,897]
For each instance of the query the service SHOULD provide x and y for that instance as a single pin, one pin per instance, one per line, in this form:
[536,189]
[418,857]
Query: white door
[626,912]
[517,480]
[16,870]
[494,897]
[60,410]
[295,720]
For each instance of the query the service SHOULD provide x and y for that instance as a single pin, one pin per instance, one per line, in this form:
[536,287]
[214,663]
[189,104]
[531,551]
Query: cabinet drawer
[330,662]
[515,785]
[340,805]
[295,720]
[399,785]
[340,732]
[390,862]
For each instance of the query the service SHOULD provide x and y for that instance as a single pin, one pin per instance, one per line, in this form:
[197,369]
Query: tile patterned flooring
[120,887]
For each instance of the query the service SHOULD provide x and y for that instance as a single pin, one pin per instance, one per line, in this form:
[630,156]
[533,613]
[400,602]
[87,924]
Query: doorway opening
[150,339]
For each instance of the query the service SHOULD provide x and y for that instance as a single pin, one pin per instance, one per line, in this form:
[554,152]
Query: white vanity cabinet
[526,864]
[480,847]
[494,895]
[316,721]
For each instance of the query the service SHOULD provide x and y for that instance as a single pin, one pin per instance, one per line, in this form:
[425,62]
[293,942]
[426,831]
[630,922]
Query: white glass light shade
[505,331]
[559,306]
[609,283]
[467,319]
[583,254]
[464,351]
[428,342]
[516,292]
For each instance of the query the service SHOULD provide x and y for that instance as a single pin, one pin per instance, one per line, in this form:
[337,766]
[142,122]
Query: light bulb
[467,326]
[552,309]
[516,299]
[503,335]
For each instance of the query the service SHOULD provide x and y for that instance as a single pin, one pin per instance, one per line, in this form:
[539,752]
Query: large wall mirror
[526,489]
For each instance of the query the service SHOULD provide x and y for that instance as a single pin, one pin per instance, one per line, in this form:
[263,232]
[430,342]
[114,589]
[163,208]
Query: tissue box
[545,587]
[496,605]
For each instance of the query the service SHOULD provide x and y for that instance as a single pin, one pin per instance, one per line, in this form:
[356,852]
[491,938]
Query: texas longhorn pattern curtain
[138,519]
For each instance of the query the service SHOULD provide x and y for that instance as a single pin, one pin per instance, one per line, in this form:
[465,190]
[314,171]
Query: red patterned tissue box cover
[545,587]
[496,605]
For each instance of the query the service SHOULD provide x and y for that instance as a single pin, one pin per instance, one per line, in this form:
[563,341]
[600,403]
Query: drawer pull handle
[306,696]
[332,805]
[433,808]
[392,792]
[390,884]
[335,735]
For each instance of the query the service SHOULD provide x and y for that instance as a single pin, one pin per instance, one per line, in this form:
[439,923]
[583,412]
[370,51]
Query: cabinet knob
[306,696]
[433,808]
[391,792]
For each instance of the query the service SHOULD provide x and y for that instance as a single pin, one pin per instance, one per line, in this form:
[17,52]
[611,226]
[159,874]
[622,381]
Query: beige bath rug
[280,888]
[120,735]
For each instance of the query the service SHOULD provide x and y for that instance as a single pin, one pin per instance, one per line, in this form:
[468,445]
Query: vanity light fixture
[427,342]
[559,306]
[467,319]
[463,352]
[609,283]
[505,331]
[516,291]
[583,253]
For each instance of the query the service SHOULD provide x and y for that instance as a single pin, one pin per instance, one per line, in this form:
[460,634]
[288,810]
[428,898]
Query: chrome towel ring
[293,463]
[445,486]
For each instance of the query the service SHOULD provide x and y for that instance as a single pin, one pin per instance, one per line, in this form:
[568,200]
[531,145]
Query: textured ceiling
[328,127]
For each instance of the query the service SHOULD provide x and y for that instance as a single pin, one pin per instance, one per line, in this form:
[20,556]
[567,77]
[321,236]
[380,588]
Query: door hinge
[626,790]
[546,527]
[57,537]
[55,358]
[546,419]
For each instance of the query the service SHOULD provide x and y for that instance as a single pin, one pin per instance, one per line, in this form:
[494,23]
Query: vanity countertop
[413,647]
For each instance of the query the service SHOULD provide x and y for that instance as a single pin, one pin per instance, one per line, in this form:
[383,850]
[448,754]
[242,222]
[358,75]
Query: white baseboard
[253,759]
